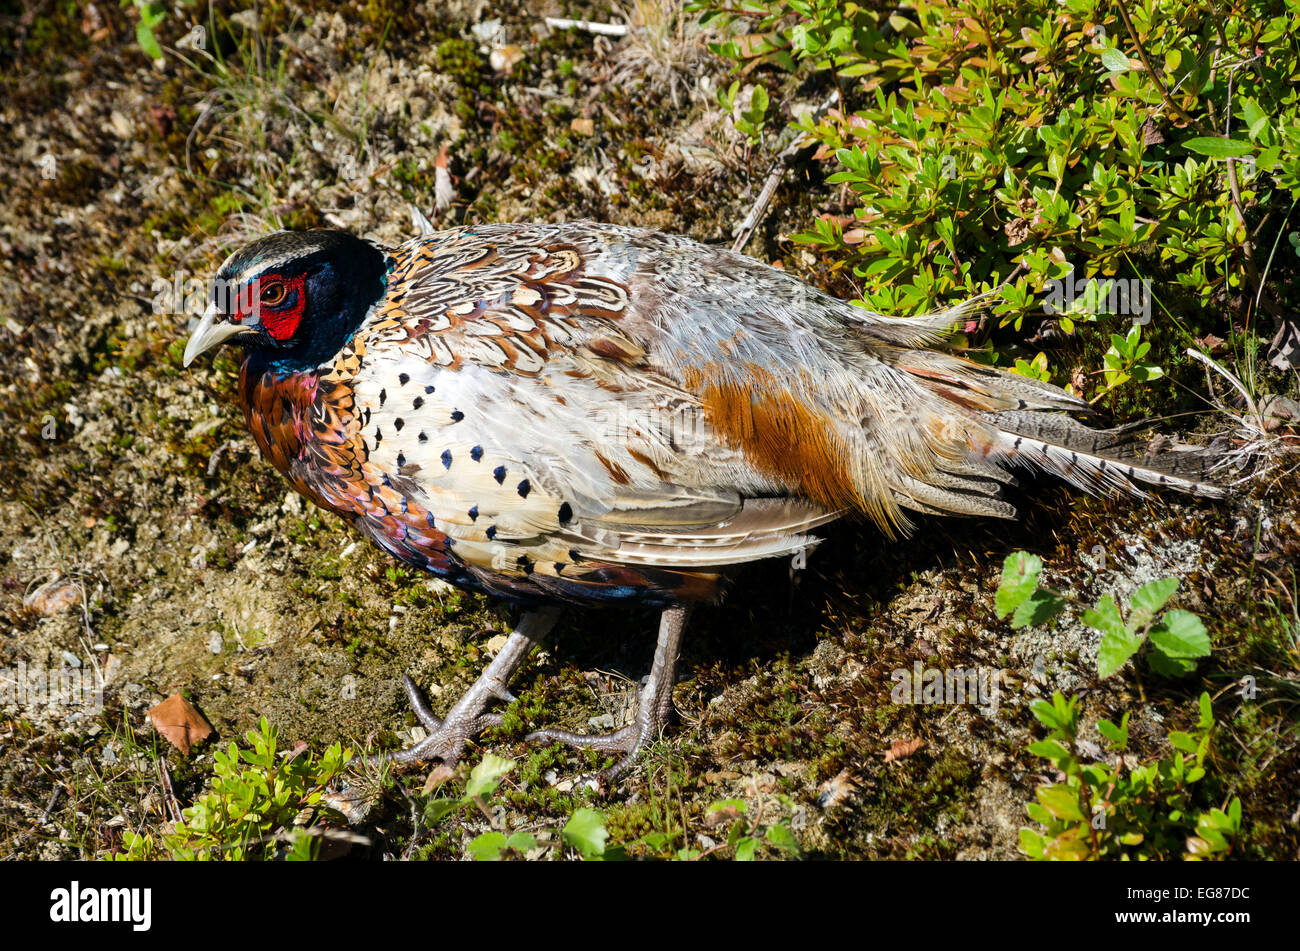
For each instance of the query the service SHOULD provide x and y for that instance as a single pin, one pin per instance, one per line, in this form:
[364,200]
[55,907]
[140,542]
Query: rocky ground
[142,537]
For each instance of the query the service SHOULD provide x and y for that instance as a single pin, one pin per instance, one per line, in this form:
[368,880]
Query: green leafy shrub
[1125,811]
[265,803]
[1052,144]
[1177,637]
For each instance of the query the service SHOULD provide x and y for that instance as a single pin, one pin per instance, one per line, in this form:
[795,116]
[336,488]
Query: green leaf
[521,842]
[487,847]
[1115,61]
[745,849]
[486,776]
[144,36]
[1149,599]
[1039,608]
[1049,749]
[585,831]
[782,838]
[1117,735]
[1020,574]
[1167,666]
[1038,813]
[1216,147]
[1180,634]
[1031,843]
[1105,617]
[1256,118]
[655,841]
[1045,713]
[1114,652]
[1061,801]
[437,810]
[1206,719]
[1118,644]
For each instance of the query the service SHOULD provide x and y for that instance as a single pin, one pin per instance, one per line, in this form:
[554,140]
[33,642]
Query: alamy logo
[947,685]
[77,904]
[25,686]
[1111,295]
[188,294]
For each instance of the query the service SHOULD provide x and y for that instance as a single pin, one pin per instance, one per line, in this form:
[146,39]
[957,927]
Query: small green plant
[745,835]
[1127,360]
[586,834]
[1125,811]
[1035,369]
[265,803]
[751,120]
[151,14]
[1177,638]
[584,831]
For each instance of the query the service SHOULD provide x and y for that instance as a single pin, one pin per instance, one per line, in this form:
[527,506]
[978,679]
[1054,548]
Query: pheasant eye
[273,293]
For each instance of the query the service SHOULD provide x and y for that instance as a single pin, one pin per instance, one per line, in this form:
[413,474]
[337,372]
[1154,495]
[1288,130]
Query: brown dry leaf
[1278,411]
[53,597]
[836,789]
[583,126]
[179,722]
[902,749]
[1079,380]
[1017,231]
[718,817]
[439,775]
[1214,345]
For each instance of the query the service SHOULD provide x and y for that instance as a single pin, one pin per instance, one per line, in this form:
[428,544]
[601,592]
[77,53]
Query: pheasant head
[294,297]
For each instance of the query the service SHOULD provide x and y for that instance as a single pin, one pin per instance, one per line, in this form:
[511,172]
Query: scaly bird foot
[449,735]
[629,741]
[654,703]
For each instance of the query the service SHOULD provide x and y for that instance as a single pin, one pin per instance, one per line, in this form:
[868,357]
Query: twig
[45,817]
[1151,71]
[1247,245]
[759,209]
[1236,384]
[173,807]
[604,29]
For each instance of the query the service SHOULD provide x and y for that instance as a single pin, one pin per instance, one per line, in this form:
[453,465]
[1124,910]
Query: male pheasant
[588,414]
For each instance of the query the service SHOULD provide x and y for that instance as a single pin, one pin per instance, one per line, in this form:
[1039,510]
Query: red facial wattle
[278,302]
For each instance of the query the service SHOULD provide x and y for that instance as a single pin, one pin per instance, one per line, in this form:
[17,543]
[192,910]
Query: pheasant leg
[466,720]
[654,703]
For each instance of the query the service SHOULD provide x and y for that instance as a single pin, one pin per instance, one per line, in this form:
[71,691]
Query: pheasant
[586,414]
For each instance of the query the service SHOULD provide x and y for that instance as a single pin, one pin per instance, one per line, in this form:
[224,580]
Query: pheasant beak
[212,331]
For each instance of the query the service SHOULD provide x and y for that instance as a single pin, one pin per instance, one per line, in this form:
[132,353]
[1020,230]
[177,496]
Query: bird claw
[447,737]
[415,698]
[629,741]
[653,706]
